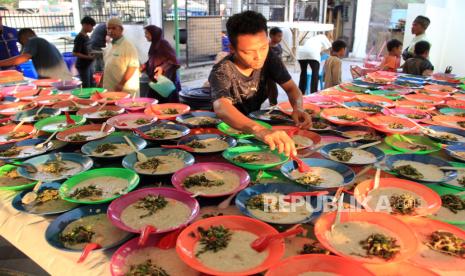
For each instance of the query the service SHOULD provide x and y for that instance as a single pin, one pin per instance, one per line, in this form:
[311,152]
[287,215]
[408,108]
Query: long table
[27,232]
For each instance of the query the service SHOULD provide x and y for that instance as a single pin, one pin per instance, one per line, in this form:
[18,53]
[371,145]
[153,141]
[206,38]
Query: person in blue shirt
[45,56]
[8,42]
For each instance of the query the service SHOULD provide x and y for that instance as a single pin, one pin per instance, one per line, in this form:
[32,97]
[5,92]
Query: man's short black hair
[25,32]
[423,21]
[248,22]
[421,47]
[338,45]
[393,43]
[275,31]
[88,20]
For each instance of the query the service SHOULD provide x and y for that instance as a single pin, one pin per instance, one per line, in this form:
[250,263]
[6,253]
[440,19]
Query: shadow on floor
[14,263]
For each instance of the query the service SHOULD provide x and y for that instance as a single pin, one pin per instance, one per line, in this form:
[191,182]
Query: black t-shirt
[81,45]
[246,93]
[417,65]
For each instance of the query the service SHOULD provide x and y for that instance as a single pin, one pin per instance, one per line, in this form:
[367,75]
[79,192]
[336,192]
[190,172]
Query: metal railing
[127,13]
[38,22]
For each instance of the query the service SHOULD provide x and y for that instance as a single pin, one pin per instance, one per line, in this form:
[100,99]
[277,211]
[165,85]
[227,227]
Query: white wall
[135,34]
[453,52]
[362,22]
[446,32]
[156,17]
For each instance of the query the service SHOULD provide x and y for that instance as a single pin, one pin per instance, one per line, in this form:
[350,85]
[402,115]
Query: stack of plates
[196,98]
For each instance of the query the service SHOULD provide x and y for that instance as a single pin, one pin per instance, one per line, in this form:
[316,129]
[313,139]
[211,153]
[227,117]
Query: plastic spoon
[337,219]
[18,126]
[141,134]
[261,243]
[41,145]
[69,120]
[377,178]
[145,233]
[32,195]
[97,95]
[156,112]
[85,252]
[103,127]
[169,240]
[140,156]
[369,145]
[102,106]
[196,194]
[301,166]
[39,110]
[183,147]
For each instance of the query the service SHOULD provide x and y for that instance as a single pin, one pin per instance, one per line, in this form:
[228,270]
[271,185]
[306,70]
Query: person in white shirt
[419,26]
[310,54]
[121,61]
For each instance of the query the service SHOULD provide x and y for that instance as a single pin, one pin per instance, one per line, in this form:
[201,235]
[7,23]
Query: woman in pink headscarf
[162,61]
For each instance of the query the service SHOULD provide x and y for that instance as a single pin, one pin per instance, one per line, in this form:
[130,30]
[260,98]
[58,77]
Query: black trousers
[86,76]
[315,66]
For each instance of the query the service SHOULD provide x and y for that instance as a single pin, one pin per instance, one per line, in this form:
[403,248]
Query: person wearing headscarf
[419,26]
[162,61]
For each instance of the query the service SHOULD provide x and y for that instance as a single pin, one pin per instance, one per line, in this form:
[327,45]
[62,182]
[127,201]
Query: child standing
[332,68]
[82,51]
[392,60]
[419,64]
[276,36]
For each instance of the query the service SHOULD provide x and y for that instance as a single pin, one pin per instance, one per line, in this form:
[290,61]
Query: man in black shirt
[98,41]
[82,52]
[419,63]
[239,81]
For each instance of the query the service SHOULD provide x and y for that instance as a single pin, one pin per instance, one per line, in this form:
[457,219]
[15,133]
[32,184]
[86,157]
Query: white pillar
[291,10]
[156,13]
[362,23]
[76,15]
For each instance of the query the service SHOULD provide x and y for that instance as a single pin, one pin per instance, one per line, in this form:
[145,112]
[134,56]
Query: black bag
[406,55]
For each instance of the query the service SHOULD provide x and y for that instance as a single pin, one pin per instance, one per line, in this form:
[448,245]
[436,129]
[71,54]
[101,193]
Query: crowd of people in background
[121,69]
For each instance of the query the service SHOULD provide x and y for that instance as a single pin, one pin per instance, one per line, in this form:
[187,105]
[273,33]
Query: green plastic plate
[58,119]
[451,111]
[443,190]
[225,128]
[7,168]
[415,139]
[230,153]
[126,174]
[392,95]
[85,93]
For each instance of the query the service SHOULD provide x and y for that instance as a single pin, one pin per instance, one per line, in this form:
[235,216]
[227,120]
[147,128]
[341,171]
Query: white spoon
[31,196]
[140,156]
[340,207]
[369,145]
[41,145]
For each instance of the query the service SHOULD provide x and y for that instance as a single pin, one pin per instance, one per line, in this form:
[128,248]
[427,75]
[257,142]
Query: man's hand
[301,118]
[277,140]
